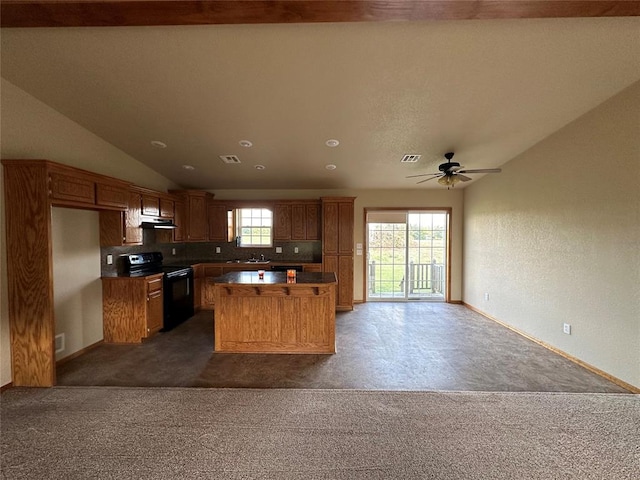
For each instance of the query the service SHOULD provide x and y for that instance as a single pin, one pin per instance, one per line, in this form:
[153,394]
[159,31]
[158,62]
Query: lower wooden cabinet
[342,265]
[132,308]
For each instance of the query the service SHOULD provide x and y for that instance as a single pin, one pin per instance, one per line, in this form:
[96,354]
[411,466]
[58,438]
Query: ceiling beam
[80,13]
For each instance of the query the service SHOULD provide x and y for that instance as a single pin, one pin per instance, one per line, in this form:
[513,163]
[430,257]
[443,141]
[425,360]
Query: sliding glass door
[407,255]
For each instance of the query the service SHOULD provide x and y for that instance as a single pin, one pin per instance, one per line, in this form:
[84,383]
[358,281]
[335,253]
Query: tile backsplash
[186,253]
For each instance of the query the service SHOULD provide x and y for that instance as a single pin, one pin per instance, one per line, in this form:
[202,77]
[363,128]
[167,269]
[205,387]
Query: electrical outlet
[278,249]
[109,259]
[173,251]
[217,249]
[566,328]
[59,342]
[486,297]
[295,250]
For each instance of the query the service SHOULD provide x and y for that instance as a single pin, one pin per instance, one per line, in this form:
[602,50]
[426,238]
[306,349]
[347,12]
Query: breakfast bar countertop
[275,278]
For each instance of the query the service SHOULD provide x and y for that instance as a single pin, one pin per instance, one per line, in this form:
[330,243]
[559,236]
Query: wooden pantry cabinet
[337,246]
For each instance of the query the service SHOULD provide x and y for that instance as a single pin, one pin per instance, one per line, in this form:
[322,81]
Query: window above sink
[254,227]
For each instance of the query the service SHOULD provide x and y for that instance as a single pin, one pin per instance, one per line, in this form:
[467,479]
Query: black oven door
[178,298]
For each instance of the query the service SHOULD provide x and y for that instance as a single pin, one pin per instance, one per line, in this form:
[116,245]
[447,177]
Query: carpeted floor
[169,433]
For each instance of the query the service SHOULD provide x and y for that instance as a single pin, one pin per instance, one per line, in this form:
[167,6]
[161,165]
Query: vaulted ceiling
[443,80]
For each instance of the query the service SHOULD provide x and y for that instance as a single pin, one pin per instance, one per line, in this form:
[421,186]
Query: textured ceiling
[486,89]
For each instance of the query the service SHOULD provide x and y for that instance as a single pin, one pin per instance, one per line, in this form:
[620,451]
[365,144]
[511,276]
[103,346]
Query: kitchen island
[275,314]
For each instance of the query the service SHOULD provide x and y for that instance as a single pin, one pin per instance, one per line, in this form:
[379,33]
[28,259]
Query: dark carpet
[193,433]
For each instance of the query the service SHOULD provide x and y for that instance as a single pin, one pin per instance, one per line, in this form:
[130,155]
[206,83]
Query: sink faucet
[262,258]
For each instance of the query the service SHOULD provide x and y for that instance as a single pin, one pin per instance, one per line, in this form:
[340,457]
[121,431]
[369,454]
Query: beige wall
[31,129]
[415,198]
[76,278]
[555,238]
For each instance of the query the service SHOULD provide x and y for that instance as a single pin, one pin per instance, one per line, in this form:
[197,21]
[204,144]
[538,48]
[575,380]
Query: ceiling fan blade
[481,170]
[427,179]
[422,175]
[462,177]
[454,169]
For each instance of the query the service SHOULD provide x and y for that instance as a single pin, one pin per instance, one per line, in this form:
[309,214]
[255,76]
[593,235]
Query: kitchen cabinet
[337,246]
[71,187]
[218,228]
[156,204]
[150,205]
[313,219]
[196,224]
[132,308]
[312,267]
[204,274]
[179,216]
[122,228]
[281,222]
[112,195]
[198,279]
[211,272]
[166,207]
[296,220]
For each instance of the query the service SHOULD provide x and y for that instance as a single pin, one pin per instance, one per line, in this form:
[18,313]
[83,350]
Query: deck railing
[423,278]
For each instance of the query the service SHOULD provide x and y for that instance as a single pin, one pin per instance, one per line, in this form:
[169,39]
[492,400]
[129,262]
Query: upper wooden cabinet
[156,204]
[73,187]
[218,228]
[150,205]
[167,207]
[337,223]
[196,223]
[297,220]
[179,232]
[282,221]
[122,228]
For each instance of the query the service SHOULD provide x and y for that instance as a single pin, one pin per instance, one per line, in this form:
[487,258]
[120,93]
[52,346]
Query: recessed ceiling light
[188,167]
[245,143]
[158,144]
[331,166]
[259,167]
[332,142]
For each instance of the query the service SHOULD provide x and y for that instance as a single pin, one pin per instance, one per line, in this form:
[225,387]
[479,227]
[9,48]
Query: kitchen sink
[260,262]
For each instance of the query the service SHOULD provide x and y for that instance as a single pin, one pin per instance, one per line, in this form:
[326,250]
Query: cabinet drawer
[72,189]
[154,285]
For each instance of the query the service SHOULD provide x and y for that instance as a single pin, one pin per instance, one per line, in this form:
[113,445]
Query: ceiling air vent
[410,158]
[230,158]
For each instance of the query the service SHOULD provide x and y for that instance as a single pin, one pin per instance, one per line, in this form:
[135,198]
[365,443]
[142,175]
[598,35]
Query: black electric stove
[177,285]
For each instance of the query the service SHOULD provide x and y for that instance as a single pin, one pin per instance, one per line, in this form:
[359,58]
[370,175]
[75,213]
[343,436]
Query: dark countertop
[274,278]
[129,275]
[271,262]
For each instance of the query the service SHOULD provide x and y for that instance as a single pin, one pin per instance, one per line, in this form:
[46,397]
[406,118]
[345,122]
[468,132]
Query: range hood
[159,223]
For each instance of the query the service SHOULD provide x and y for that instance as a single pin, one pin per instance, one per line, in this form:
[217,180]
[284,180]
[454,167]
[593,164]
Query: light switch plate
[109,259]
[278,249]
[217,249]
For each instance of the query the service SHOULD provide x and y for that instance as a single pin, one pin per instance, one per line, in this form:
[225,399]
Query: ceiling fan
[451,172]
